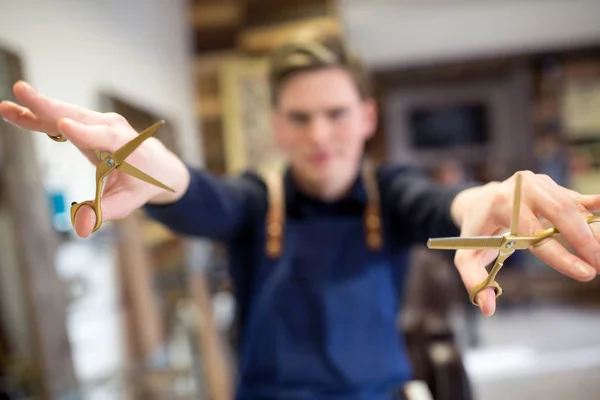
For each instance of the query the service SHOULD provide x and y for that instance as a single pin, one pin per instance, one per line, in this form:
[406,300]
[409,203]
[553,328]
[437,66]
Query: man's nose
[318,131]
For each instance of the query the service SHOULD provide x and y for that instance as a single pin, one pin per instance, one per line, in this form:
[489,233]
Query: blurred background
[467,89]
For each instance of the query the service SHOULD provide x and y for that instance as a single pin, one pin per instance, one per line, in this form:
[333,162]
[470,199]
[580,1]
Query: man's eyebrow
[336,109]
[298,113]
[325,110]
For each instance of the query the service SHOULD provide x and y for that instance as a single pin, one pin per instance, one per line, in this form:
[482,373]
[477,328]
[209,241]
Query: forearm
[430,213]
[421,208]
[180,183]
[210,206]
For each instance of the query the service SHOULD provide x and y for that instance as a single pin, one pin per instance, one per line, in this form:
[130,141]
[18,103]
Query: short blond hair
[318,53]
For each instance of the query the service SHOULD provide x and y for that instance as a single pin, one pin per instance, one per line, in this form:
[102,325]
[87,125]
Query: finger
[546,180]
[115,206]
[85,219]
[590,202]
[595,228]
[568,217]
[554,254]
[471,267]
[24,118]
[93,137]
[51,109]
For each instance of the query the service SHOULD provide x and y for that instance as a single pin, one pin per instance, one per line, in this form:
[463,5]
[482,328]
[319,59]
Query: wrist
[464,200]
[180,184]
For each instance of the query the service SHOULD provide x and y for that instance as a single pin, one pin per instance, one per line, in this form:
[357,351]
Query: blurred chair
[432,288]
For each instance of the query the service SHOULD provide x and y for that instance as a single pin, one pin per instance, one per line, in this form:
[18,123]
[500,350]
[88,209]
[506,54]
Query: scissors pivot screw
[510,245]
[111,162]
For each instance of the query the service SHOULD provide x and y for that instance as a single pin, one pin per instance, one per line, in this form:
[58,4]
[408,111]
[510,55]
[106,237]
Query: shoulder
[394,174]
[250,179]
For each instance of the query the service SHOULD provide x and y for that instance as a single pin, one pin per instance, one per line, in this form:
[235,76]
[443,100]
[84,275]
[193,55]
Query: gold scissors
[506,244]
[110,162]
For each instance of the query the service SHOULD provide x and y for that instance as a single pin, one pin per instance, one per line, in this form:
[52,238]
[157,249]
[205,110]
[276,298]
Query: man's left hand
[487,210]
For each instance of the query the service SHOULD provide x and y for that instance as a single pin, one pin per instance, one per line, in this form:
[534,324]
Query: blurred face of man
[322,123]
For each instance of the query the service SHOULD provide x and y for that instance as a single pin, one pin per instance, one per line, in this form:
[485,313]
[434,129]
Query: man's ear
[370,116]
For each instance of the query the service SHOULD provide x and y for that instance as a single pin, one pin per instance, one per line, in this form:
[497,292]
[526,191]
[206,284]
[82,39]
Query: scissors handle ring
[59,138]
[97,210]
[483,285]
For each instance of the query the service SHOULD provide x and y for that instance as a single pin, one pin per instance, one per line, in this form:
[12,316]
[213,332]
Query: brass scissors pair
[110,162]
[506,244]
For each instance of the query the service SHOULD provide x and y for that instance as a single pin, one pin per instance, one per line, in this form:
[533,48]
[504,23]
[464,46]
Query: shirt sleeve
[213,207]
[419,208]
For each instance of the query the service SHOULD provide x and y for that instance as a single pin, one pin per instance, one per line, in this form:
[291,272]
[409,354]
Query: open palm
[92,132]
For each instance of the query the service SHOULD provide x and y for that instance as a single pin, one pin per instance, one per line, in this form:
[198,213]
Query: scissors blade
[476,242]
[514,223]
[121,154]
[133,171]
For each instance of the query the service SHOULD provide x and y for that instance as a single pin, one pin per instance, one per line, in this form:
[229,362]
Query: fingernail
[26,85]
[584,270]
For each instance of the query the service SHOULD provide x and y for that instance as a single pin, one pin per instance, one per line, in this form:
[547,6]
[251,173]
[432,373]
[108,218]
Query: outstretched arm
[212,207]
[420,208]
[201,204]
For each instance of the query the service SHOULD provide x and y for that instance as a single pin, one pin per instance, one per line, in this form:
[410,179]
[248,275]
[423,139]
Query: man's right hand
[90,131]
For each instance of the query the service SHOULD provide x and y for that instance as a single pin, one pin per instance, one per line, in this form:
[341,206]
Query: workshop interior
[466,90]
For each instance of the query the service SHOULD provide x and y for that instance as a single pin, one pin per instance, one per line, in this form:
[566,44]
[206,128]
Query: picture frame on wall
[581,105]
[246,112]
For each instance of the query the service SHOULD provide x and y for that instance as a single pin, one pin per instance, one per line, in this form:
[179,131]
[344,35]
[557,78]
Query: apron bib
[325,313]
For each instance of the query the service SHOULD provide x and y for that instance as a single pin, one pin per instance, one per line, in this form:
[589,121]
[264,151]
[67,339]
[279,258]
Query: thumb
[471,267]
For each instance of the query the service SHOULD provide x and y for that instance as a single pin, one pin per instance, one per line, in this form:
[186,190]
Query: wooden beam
[144,331]
[268,12]
[215,360]
[217,39]
[267,38]
[208,108]
[38,242]
[213,15]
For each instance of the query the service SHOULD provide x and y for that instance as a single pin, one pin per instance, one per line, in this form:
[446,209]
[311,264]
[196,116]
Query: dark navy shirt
[319,322]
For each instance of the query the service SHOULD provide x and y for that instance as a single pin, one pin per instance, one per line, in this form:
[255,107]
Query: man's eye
[337,114]
[300,119]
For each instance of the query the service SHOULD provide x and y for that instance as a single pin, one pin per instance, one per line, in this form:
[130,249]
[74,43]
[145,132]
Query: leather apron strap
[372,216]
[276,212]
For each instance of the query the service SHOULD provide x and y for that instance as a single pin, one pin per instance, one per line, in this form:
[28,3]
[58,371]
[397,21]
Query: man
[319,297]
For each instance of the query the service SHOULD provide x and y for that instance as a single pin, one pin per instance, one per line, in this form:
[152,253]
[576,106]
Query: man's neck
[327,191]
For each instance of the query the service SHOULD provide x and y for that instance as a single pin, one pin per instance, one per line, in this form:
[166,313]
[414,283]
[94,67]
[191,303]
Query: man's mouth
[320,158]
